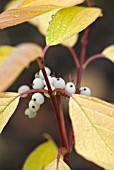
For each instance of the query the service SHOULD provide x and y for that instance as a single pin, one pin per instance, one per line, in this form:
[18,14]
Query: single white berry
[70,87]
[30,114]
[46,94]
[36,75]
[23,89]
[48,72]
[59,83]
[38,98]
[33,106]
[85,91]
[37,83]
[50,80]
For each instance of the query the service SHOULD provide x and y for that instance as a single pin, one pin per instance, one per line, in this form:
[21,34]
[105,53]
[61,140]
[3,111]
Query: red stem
[34,91]
[62,121]
[58,117]
[94,57]
[89,3]
[44,52]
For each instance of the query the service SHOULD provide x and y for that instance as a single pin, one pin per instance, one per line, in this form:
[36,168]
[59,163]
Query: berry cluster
[39,82]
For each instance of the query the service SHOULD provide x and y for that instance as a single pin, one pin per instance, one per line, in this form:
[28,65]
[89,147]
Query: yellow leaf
[93,125]
[8,104]
[13,4]
[16,62]
[70,21]
[5,50]
[63,3]
[41,156]
[19,15]
[109,52]
[53,166]
[71,41]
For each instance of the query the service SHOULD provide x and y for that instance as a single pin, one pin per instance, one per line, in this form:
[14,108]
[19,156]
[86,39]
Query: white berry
[46,94]
[50,80]
[85,91]
[36,75]
[30,114]
[38,98]
[23,89]
[37,83]
[70,87]
[59,83]
[33,106]
[48,72]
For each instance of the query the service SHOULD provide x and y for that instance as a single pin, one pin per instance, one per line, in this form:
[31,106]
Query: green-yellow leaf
[51,2]
[53,165]
[70,21]
[16,62]
[42,23]
[5,50]
[8,104]
[19,15]
[109,52]
[93,125]
[41,156]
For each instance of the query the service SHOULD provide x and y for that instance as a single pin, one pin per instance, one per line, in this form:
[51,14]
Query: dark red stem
[94,57]
[57,114]
[34,91]
[82,57]
[63,126]
[89,3]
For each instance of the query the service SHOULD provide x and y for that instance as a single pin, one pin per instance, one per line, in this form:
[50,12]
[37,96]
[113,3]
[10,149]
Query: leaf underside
[93,125]
[8,104]
[109,52]
[16,62]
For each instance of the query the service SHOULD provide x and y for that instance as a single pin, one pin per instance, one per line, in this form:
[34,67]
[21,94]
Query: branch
[92,58]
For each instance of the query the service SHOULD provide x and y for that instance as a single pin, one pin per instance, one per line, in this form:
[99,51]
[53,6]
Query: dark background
[21,135]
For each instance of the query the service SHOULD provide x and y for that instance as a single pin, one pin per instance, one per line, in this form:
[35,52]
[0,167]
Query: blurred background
[22,135]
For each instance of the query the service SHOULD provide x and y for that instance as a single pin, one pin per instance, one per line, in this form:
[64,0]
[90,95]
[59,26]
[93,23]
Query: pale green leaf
[41,156]
[8,104]
[108,52]
[53,166]
[5,50]
[70,21]
[93,125]
[16,62]
[63,3]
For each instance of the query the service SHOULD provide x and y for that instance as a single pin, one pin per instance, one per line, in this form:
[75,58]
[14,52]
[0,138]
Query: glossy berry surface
[38,98]
[37,83]
[59,83]
[70,87]
[85,91]
[33,106]
[23,89]
[30,114]
[48,72]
